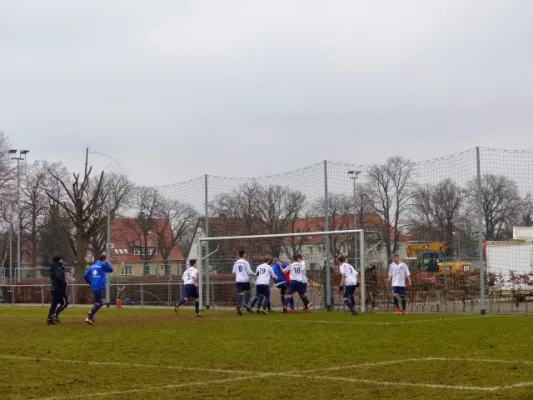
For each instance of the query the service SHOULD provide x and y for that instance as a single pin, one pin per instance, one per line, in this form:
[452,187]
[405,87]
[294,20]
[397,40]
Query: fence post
[13,294]
[206,228]
[326,238]
[42,295]
[142,296]
[73,294]
[480,234]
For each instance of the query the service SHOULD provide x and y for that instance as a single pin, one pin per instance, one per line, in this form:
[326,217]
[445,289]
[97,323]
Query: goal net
[320,250]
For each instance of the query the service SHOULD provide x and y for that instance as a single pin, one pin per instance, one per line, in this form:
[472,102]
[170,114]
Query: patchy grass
[154,354]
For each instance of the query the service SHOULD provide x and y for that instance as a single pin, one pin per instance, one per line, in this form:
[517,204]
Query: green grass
[164,356]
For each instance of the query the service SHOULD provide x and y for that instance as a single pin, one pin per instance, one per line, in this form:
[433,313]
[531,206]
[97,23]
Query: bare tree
[178,222]
[80,206]
[118,189]
[142,229]
[447,198]
[421,215]
[391,195]
[500,204]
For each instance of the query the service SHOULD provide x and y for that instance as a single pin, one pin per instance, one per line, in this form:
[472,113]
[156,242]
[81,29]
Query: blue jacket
[279,273]
[95,275]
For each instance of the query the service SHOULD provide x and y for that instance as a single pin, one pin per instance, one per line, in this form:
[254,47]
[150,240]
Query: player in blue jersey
[95,277]
[281,282]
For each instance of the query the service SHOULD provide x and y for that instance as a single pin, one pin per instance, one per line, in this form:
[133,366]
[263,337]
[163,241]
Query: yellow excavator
[431,259]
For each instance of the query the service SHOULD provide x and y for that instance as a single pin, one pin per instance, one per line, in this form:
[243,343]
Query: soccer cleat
[405,312]
[284,310]
[56,319]
[354,312]
[197,315]
[89,321]
[239,311]
[257,311]
[309,305]
[176,308]
[50,321]
[397,311]
[264,312]
[293,310]
[248,308]
[307,310]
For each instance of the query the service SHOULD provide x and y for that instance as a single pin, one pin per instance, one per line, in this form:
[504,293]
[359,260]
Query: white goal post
[359,242]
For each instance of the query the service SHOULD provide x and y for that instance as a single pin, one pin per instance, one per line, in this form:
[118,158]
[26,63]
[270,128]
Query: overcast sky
[175,89]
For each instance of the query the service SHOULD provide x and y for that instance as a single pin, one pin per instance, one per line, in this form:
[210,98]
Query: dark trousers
[59,302]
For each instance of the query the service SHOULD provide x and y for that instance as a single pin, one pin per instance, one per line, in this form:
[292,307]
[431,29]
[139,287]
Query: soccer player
[371,280]
[95,277]
[242,272]
[281,282]
[348,283]
[398,273]
[304,282]
[190,288]
[59,290]
[262,285]
[296,269]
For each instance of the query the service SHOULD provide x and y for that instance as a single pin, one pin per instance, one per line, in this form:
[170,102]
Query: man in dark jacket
[59,290]
[371,280]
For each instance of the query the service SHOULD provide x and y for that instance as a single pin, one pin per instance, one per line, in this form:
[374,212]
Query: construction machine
[431,260]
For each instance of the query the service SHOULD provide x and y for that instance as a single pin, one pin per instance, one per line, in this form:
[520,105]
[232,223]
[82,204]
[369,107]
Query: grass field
[154,354]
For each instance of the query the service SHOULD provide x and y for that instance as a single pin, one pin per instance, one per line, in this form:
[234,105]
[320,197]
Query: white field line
[419,321]
[153,388]
[122,364]
[415,360]
[295,374]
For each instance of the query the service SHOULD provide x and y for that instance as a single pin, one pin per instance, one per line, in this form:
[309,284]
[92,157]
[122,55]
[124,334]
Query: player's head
[298,257]
[396,257]
[374,263]
[58,260]
[242,254]
[341,259]
[103,258]
[192,263]
[276,261]
[267,260]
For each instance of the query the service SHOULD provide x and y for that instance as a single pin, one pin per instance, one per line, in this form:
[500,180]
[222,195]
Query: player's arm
[273,274]
[287,269]
[250,272]
[390,275]
[408,275]
[87,275]
[107,267]
[195,278]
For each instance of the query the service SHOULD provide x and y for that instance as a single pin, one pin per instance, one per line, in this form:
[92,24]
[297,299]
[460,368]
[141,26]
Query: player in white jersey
[242,271]
[190,288]
[348,283]
[304,281]
[262,285]
[297,273]
[398,274]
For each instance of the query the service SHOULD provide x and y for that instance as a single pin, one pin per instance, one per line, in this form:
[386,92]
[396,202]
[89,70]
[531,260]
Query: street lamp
[354,175]
[108,228]
[19,155]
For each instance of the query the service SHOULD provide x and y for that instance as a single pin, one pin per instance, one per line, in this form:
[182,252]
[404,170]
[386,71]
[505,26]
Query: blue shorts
[399,290]
[296,287]
[190,291]
[305,287]
[243,287]
[349,291]
[283,287]
[262,290]
[98,296]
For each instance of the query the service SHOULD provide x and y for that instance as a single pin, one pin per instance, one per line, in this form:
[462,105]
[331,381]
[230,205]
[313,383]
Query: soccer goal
[319,249]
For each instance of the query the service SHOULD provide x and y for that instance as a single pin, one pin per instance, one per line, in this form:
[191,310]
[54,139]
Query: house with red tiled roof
[144,248]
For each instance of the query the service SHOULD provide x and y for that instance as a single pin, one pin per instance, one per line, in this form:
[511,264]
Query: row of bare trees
[66,213]
[387,202]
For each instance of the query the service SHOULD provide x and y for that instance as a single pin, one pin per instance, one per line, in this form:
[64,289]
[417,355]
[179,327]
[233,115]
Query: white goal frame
[359,240]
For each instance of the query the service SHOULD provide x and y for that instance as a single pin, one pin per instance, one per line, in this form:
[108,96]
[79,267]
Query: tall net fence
[449,218]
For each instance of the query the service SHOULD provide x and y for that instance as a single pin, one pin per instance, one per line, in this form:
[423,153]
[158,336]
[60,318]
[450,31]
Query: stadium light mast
[354,175]
[18,155]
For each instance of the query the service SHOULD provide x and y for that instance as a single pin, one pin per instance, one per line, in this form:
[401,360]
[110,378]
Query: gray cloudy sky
[175,89]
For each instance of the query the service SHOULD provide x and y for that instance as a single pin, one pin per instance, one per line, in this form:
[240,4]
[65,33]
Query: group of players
[291,279]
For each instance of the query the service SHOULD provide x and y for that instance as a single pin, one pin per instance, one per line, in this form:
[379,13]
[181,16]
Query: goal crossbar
[359,241]
[281,235]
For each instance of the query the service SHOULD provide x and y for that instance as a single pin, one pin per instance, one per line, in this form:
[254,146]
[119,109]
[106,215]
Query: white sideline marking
[153,388]
[417,321]
[121,364]
[488,361]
